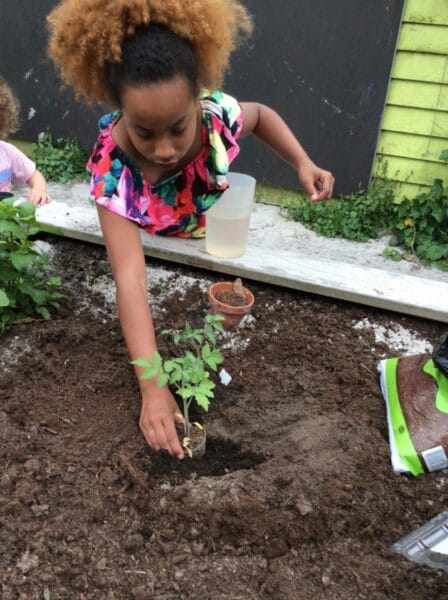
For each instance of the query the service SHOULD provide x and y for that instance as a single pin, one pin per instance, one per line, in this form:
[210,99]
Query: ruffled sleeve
[113,183]
[224,120]
[102,182]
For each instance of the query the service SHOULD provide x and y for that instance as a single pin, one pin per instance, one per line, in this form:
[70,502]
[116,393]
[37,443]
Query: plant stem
[186,419]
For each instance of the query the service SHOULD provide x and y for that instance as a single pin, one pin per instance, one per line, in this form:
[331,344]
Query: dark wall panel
[323,64]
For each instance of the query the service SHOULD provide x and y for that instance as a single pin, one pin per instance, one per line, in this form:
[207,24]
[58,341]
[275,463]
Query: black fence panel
[324,65]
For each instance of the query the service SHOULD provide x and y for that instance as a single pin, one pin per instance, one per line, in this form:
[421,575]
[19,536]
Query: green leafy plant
[25,290]
[61,161]
[419,225]
[359,216]
[188,373]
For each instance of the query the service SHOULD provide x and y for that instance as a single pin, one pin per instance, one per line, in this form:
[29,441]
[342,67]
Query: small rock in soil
[197,548]
[178,558]
[276,548]
[169,535]
[27,562]
[303,505]
[101,564]
[39,509]
[231,298]
[133,542]
[32,465]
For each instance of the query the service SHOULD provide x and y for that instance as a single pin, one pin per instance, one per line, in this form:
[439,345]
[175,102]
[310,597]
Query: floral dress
[176,205]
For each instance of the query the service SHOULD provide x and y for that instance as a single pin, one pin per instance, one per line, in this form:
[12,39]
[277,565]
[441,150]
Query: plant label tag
[225,377]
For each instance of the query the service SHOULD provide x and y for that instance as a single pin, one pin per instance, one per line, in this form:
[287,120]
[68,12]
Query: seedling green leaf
[189,371]
[4,300]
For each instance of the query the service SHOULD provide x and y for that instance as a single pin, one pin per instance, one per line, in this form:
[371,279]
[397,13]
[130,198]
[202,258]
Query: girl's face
[161,120]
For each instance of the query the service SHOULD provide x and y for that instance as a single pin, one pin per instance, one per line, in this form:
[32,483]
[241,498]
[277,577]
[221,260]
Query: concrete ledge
[76,217]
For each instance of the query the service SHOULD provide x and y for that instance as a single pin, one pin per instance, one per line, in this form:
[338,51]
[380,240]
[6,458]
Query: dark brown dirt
[231,298]
[294,500]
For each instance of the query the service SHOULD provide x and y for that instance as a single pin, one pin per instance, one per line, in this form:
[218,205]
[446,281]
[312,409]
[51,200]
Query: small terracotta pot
[232,314]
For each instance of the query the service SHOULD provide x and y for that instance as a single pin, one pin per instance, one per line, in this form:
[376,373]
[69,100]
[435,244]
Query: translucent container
[227,222]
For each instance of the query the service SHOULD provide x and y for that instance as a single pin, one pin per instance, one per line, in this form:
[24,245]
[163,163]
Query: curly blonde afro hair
[9,110]
[87,35]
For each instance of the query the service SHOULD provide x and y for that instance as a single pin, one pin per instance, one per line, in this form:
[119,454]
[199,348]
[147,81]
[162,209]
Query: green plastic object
[404,456]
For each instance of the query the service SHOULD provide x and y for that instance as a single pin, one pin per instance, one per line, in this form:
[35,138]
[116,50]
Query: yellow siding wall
[414,130]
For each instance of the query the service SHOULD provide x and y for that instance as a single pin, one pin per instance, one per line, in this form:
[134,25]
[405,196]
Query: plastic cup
[227,221]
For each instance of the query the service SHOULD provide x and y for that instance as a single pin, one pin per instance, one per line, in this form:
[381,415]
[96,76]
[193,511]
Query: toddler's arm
[38,193]
[270,128]
[124,248]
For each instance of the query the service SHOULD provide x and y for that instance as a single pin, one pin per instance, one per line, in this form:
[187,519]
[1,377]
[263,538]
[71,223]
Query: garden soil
[295,498]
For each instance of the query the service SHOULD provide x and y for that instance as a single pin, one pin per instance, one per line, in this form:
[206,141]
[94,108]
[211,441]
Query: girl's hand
[158,415]
[317,182]
[39,196]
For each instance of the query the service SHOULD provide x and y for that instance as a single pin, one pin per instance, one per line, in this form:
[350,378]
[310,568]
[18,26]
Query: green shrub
[359,216]
[419,225]
[62,162]
[25,290]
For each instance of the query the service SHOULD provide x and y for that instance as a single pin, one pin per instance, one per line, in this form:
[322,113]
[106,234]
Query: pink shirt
[14,166]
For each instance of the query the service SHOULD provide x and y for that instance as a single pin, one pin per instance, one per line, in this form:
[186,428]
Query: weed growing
[62,161]
[419,226]
[359,216]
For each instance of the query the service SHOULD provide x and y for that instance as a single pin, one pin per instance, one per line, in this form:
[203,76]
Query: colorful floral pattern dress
[176,205]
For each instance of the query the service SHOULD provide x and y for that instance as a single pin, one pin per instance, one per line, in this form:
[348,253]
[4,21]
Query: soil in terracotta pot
[231,298]
[234,297]
[294,499]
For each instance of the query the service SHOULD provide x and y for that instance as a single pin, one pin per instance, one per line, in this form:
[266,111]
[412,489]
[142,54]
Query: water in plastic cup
[227,221]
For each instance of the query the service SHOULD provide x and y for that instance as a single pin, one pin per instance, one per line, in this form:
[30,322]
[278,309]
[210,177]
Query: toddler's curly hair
[9,110]
[87,35]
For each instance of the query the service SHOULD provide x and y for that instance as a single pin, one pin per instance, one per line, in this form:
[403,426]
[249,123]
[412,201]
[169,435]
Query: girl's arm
[125,252]
[270,128]
[38,189]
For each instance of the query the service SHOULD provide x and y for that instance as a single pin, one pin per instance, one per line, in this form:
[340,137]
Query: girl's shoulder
[106,122]
[221,105]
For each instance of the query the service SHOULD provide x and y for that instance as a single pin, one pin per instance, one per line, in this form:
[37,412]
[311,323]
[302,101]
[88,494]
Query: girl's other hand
[39,196]
[157,421]
[317,182]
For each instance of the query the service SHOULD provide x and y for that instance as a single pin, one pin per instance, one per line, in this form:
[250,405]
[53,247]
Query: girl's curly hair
[9,110]
[87,36]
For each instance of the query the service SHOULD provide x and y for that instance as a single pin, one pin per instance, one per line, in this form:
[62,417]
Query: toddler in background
[16,167]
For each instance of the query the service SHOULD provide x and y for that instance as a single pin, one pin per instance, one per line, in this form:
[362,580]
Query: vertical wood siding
[414,130]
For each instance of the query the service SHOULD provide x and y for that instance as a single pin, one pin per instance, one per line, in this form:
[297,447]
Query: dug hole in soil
[295,498]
